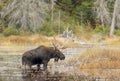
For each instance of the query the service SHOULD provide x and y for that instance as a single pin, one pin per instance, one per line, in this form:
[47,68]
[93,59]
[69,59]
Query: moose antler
[56,44]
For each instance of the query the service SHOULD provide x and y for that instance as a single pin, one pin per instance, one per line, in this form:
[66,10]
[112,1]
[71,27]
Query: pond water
[10,66]
[11,70]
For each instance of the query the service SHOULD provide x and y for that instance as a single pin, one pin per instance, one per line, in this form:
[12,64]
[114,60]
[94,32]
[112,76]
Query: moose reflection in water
[41,55]
[42,76]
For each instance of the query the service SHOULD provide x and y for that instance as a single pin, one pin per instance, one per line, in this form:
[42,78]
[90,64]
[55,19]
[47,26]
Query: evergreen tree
[81,10]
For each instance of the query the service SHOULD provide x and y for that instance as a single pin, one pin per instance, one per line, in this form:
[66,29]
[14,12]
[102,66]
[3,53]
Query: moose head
[58,54]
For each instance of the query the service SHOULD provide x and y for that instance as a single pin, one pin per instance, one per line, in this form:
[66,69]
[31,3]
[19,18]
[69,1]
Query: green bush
[102,30]
[46,29]
[10,31]
[117,32]
[50,29]
[24,33]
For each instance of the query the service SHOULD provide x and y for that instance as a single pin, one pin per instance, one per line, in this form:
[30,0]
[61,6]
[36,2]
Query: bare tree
[26,14]
[113,18]
[52,9]
[102,12]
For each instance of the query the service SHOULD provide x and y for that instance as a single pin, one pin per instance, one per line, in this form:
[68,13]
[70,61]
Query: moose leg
[45,66]
[24,64]
[29,67]
[38,67]
[24,68]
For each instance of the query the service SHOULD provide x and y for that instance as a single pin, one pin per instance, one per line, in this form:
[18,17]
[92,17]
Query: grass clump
[102,58]
[117,32]
[101,62]
[102,30]
[11,31]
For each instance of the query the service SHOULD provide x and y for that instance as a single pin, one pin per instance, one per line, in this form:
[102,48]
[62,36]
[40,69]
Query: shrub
[25,33]
[10,31]
[103,30]
[117,32]
[47,29]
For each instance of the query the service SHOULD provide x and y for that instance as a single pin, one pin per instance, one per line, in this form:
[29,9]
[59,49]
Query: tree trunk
[113,19]
[52,12]
[102,12]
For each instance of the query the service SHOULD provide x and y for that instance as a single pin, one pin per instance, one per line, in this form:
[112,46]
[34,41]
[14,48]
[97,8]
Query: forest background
[86,19]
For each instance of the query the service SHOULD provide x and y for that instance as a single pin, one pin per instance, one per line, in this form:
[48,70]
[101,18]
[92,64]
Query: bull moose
[41,55]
